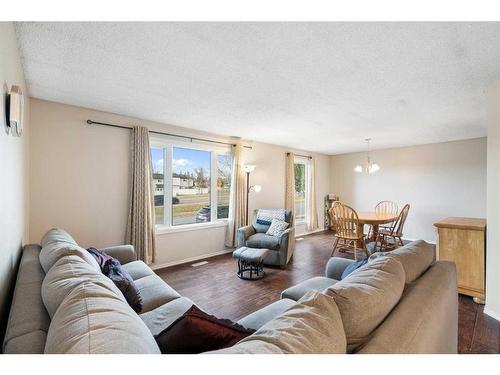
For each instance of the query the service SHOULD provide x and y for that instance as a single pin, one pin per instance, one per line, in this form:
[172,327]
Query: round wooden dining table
[374,219]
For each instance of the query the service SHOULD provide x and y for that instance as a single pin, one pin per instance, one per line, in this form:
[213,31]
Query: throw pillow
[311,326]
[197,332]
[277,228]
[113,269]
[353,267]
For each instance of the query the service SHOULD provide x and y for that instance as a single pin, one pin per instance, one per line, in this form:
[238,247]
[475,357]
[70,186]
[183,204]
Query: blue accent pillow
[353,267]
[263,222]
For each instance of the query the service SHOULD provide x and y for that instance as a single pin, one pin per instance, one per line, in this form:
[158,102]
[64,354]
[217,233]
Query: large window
[199,179]
[190,186]
[301,186]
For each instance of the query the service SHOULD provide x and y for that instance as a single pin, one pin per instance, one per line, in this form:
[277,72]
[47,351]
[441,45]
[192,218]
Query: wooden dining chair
[395,233]
[346,224]
[385,207]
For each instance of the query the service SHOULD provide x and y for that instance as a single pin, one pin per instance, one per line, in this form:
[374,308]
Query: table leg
[375,232]
[360,228]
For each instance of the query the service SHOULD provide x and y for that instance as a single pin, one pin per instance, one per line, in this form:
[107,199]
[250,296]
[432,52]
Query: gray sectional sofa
[402,302]
[58,280]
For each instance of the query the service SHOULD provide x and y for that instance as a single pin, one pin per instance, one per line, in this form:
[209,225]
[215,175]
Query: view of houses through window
[191,185]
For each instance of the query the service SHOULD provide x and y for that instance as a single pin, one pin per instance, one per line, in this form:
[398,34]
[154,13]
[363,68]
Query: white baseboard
[308,233]
[492,313]
[189,260]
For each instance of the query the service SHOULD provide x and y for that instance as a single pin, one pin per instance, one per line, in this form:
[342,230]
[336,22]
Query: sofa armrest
[336,266]
[242,234]
[124,253]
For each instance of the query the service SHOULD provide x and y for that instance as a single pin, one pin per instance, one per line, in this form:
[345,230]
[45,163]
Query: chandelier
[370,167]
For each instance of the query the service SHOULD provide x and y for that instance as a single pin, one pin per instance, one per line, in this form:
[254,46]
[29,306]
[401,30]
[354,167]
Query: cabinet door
[466,249]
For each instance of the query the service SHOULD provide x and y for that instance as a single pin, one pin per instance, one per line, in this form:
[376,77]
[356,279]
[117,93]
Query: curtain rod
[90,122]
[300,156]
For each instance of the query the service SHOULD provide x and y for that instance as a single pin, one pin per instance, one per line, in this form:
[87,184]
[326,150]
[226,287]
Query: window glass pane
[300,191]
[157,160]
[190,186]
[223,185]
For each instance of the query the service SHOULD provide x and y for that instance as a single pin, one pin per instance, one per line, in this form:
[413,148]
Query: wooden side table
[463,240]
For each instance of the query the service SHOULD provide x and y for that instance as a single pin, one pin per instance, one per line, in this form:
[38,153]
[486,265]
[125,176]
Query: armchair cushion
[262,240]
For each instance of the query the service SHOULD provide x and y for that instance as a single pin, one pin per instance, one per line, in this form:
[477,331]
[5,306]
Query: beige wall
[438,180]
[79,181]
[270,174]
[13,173]
[493,232]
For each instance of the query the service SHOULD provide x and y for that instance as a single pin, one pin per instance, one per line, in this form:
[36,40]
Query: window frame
[306,162]
[168,146]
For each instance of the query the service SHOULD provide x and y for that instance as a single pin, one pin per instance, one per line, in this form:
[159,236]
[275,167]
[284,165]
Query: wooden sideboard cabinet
[463,240]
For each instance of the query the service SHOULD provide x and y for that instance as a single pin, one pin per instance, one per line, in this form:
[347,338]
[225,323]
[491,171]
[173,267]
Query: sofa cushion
[162,317]
[30,270]
[416,257]
[311,326]
[262,240]
[260,317]
[318,284]
[25,318]
[95,320]
[197,332]
[54,251]
[367,296]
[29,343]
[154,292]
[65,275]
[138,269]
[57,235]
[425,321]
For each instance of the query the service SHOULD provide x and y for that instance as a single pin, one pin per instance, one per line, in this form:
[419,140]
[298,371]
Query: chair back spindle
[386,207]
[346,220]
[400,222]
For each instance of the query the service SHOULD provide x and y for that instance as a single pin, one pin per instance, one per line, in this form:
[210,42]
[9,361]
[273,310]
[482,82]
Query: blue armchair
[281,248]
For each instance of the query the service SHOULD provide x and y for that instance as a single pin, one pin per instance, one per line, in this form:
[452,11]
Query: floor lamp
[249,169]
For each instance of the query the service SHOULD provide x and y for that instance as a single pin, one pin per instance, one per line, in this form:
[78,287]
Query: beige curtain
[141,225]
[290,184]
[312,213]
[236,197]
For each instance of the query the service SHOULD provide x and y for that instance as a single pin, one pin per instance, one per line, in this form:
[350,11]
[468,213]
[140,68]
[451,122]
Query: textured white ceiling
[315,86]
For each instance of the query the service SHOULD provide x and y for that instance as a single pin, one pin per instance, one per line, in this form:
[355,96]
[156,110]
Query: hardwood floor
[216,289]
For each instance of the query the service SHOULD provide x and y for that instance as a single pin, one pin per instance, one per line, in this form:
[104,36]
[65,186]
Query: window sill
[164,229]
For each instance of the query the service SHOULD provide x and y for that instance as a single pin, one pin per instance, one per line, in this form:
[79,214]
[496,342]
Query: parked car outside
[159,200]
[203,215]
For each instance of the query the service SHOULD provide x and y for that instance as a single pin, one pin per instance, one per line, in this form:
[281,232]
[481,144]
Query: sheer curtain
[290,184]
[312,214]
[236,217]
[140,223]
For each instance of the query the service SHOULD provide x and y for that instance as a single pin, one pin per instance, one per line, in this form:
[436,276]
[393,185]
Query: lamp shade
[249,168]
